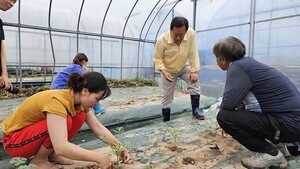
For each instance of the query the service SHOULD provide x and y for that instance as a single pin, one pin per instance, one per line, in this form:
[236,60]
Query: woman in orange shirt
[44,124]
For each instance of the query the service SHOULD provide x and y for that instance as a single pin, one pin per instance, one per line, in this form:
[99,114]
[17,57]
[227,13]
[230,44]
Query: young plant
[117,149]
[119,130]
[174,133]
[21,163]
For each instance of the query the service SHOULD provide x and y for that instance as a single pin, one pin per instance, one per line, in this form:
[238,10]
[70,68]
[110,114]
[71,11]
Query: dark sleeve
[1,38]
[237,86]
[1,30]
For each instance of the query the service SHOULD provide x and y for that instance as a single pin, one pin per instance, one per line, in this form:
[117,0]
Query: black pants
[251,129]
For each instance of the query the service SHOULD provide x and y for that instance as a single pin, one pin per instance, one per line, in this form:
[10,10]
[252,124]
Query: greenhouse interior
[119,38]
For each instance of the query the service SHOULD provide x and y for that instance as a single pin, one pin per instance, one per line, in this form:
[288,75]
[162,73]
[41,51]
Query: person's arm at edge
[4,74]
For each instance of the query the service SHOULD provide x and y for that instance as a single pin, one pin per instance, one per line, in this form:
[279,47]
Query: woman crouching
[44,124]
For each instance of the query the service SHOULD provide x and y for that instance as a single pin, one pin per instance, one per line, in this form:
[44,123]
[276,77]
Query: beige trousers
[169,87]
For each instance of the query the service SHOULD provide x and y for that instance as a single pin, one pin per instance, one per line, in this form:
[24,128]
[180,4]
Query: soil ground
[201,145]
[199,151]
[202,152]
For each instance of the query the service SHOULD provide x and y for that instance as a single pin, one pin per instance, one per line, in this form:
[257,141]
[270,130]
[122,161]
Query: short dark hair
[80,57]
[93,81]
[179,22]
[230,48]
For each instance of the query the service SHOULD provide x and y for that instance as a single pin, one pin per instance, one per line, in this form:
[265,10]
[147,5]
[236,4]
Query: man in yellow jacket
[176,55]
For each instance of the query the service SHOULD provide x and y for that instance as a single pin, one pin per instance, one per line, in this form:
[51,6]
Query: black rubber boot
[166,114]
[197,113]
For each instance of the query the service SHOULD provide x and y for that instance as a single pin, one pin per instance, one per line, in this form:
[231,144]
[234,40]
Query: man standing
[176,55]
[4,81]
[278,98]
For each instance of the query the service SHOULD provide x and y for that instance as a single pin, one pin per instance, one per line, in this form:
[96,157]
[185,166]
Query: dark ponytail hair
[93,81]
[80,57]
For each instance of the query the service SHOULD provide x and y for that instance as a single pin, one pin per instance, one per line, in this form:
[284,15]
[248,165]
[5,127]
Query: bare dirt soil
[202,151]
[203,154]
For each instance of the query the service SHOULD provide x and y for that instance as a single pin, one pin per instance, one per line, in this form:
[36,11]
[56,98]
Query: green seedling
[119,130]
[174,133]
[117,149]
[21,163]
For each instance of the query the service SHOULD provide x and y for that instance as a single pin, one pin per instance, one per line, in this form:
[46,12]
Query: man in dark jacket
[279,100]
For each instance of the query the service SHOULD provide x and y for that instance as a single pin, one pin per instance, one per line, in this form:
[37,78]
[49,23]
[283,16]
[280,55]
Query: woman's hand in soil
[105,162]
[125,156]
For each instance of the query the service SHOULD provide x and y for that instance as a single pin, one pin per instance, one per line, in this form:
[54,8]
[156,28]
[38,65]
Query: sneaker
[264,161]
[282,147]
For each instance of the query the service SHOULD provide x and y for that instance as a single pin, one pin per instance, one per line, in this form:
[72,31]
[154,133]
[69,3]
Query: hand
[167,76]
[125,156]
[222,131]
[106,162]
[2,83]
[5,82]
[193,77]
